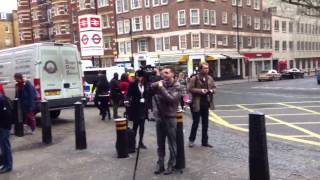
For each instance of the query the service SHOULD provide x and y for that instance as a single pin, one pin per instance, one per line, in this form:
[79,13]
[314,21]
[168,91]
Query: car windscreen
[91,76]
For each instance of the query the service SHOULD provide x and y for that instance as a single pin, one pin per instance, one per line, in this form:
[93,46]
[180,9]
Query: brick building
[9,34]
[190,31]
[57,21]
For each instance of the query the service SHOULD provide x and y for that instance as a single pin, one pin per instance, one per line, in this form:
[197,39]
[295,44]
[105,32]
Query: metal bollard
[258,151]
[122,143]
[18,118]
[80,130]
[84,101]
[181,162]
[46,123]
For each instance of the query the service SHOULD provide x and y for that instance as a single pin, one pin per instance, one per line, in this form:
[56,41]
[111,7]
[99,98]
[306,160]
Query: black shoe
[168,171]
[5,170]
[103,118]
[207,145]
[159,170]
[142,146]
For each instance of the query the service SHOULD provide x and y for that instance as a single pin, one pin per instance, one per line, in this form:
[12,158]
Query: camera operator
[202,88]
[165,103]
[137,93]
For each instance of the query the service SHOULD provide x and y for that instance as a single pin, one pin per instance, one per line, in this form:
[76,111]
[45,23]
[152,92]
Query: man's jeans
[6,148]
[204,114]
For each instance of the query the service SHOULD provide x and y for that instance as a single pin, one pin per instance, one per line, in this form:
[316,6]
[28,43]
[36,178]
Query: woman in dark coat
[137,94]
[103,88]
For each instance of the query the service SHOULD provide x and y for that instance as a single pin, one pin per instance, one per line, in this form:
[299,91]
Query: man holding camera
[202,88]
[165,102]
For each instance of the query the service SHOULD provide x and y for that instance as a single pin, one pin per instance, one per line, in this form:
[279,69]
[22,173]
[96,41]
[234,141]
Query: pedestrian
[5,127]
[137,94]
[1,89]
[202,88]
[183,84]
[101,97]
[27,94]
[166,100]
[115,94]
[124,84]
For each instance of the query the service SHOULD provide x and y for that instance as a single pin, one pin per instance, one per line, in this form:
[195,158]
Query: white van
[54,69]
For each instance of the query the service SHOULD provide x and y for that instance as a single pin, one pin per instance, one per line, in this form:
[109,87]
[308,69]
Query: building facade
[9,35]
[57,21]
[169,32]
[296,40]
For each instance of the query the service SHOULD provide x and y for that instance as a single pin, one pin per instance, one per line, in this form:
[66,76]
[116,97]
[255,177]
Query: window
[194,16]
[213,17]
[249,41]
[146,3]
[258,42]
[290,27]
[234,21]
[195,39]
[256,4]
[137,24]
[82,4]
[148,23]
[240,3]
[240,21]
[234,2]
[276,46]
[158,44]
[164,2]
[125,5]
[298,27]
[213,40]
[284,45]
[206,20]
[74,17]
[120,27]
[181,17]
[156,3]
[128,47]
[206,40]
[127,26]
[257,23]
[298,45]
[268,24]
[225,40]
[284,26]
[249,21]
[135,4]
[248,2]
[93,4]
[224,17]
[142,45]
[102,3]
[105,21]
[276,25]
[75,37]
[122,48]
[166,43]
[290,45]
[157,21]
[119,8]
[183,42]
[107,42]
[165,20]
[6,29]
[34,15]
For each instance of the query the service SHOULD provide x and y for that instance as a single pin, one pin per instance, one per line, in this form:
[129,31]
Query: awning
[184,59]
[258,55]
[233,55]
[214,57]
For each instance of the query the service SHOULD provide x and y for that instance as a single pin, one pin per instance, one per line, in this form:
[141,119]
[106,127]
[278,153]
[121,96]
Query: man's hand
[204,91]
[160,84]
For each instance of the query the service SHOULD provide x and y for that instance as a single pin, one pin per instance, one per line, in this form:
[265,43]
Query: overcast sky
[8,5]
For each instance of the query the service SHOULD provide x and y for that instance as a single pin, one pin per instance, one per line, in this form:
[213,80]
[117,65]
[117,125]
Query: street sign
[91,41]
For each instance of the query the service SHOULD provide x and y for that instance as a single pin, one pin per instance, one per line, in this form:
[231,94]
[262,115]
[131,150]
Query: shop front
[257,62]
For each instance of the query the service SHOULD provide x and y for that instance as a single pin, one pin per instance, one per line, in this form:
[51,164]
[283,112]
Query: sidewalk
[237,81]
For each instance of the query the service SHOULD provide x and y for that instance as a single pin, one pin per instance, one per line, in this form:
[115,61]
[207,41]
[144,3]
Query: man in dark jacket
[5,127]
[27,94]
[115,94]
[165,101]
[137,94]
[101,95]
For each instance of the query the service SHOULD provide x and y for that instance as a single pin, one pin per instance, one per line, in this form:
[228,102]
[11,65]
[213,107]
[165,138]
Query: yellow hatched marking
[216,119]
[300,136]
[300,108]
[294,102]
[287,124]
[268,124]
[298,114]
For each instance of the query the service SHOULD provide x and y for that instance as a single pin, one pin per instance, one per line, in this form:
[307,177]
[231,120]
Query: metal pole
[80,130]
[237,19]
[18,118]
[131,41]
[46,123]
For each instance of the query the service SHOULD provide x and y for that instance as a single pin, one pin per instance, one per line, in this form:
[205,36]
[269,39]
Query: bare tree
[307,7]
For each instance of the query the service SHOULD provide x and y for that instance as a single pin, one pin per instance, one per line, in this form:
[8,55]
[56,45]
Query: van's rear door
[72,80]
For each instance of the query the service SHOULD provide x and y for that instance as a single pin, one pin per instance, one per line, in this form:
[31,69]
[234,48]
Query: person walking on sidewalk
[115,94]
[27,94]
[183,83]
[166,100]
[202,88]
[137,94]
[5,127]
[101,98]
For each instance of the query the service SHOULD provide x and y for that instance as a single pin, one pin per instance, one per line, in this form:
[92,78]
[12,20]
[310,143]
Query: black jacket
[138,110]
[5,113]
[102,85]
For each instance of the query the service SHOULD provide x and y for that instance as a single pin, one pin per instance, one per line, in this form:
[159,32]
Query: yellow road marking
[286,123]
[216,119]
[300,108]
[309,106]
[268,124]
[298,102]
[227,110]
[298,114]
[299,136]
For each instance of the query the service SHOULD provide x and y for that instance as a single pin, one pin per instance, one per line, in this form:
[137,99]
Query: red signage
[257,55]
[83,23]
[94,22]
[84,39]
[96,38]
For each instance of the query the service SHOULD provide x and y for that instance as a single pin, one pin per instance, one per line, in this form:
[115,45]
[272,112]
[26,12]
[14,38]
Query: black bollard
[181,162]
[80,129]
[18,118]
[122,143]
[46,123]
[258,151]
[84,101]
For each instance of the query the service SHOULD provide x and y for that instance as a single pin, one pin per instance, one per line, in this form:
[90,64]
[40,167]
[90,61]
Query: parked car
[292,74]
[269,75]
[318,78]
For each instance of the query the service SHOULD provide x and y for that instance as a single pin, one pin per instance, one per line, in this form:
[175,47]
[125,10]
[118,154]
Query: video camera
[148,73]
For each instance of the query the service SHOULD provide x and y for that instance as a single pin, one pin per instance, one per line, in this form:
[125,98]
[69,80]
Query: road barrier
[46,123]
[18,118]
[258,151]
[181,162]
[122,142]
[80,130]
